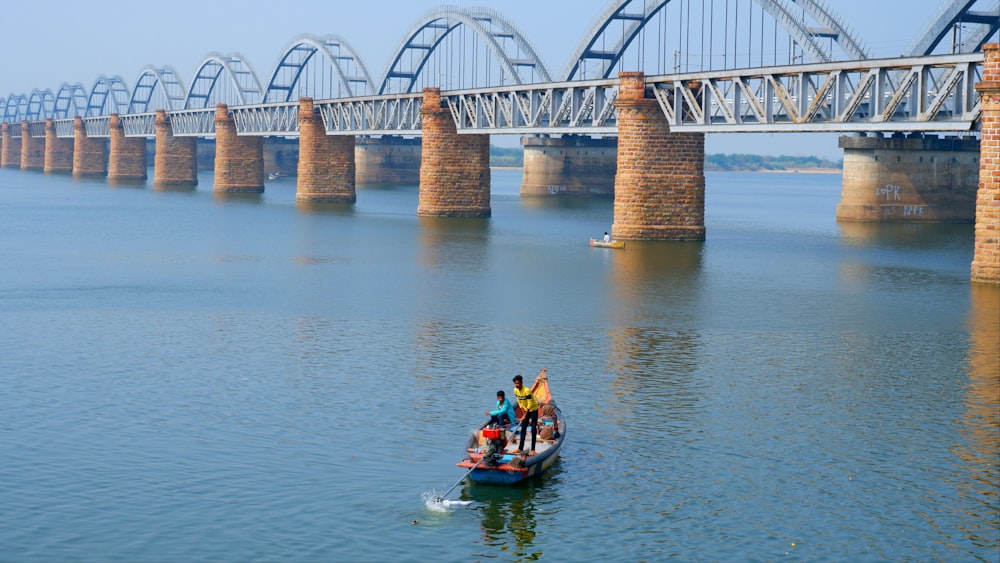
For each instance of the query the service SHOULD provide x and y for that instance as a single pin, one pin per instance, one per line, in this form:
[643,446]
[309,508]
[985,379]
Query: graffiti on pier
[890,191]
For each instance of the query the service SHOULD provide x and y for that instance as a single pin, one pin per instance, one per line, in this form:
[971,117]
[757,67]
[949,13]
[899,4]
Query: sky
[48,42]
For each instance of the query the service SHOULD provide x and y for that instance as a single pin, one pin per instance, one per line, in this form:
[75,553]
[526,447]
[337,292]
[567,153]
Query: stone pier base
[10,147]
[569,165]
[326,162]
[175,163]
[127,159]
[660,183]
[917,179]
[239,161]
[32,150]
[986,256]
[90,154]
[454,169]
[58,151]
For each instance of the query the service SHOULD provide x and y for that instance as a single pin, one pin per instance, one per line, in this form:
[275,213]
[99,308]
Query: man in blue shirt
[504,413]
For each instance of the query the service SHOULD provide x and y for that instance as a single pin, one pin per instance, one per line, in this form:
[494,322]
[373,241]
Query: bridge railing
[139,124]
[585,107]
[64,127]
[905,94]
[376,115]
[193,122]
[36,129]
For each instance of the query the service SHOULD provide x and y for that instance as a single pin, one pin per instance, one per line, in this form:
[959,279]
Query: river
[189,377]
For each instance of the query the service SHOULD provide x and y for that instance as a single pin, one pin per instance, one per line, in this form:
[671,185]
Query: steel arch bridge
[622,22]
[71,101]
[40,105]
[157,84]
[239,83]
[232,80]
[518,59]
[289,75]
[15,108]
[983,23]
[108,95]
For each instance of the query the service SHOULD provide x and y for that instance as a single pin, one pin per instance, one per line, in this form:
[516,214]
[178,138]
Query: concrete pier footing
[909,179]
[571,165]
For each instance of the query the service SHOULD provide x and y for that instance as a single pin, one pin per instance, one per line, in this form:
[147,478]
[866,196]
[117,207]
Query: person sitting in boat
[607,237]
[526,400]
[504,413]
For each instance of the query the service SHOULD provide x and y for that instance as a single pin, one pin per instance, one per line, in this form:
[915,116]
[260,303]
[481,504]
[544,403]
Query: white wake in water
[435,503]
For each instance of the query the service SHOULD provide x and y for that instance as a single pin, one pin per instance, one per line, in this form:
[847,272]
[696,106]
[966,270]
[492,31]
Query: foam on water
[435,503]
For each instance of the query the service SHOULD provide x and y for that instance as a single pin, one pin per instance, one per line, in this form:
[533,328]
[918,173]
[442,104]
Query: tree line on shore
[514,157]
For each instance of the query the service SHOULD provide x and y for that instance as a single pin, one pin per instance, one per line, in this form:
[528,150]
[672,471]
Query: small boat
[601,244]
[273,175]
[490,449]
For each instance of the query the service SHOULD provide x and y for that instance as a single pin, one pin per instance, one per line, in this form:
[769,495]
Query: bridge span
[654,123]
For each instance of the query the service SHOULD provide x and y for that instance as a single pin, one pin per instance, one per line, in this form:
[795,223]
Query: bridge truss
[909,94]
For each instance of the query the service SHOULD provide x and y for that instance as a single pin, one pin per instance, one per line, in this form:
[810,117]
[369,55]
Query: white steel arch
[108,95]
[157,86]
[983,24]
[490,26]
[16,108]
[71,101]
[40,105]
[604,46]
[288,79]
[242,87]
[844,36]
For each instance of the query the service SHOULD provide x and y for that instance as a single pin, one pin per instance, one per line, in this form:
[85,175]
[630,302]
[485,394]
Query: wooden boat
[490,449]
[601,244]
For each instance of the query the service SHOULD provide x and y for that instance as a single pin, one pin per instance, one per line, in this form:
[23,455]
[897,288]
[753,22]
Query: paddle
[441,498]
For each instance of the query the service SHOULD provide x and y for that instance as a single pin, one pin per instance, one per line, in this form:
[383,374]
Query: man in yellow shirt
[527,402]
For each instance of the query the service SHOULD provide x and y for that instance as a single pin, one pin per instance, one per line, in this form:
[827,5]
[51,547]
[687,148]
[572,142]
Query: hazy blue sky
[48,42]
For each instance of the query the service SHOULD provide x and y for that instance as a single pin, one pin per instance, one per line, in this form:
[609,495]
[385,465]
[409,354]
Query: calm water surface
[186,377]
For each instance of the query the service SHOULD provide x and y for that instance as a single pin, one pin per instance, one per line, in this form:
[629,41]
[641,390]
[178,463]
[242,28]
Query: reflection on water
[325,208]
[656,291]
[904,236]
[980,451]
[447,242]
[161,187]
[508,515]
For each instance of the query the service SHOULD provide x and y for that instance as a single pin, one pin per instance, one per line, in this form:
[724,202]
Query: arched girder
[985,23]
[151,80]
[108,95]
[71,101]
[823,15]
[16,109]
[40,105]
[633,15]
[351,72]
[489,25]
[205,88]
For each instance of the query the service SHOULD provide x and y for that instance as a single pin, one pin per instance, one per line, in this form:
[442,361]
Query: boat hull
[601,244]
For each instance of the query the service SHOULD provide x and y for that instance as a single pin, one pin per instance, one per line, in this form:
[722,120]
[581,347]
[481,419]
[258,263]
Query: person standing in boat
[504,413]
[607,237]
[526,400]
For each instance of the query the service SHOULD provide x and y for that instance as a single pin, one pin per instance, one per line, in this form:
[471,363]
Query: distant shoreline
[797,171]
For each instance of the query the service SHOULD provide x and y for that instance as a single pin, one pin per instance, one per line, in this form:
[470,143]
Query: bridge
[320,92]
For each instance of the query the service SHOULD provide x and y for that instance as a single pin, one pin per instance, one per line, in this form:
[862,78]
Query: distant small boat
[490,449]
[601,244]
[274,175]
